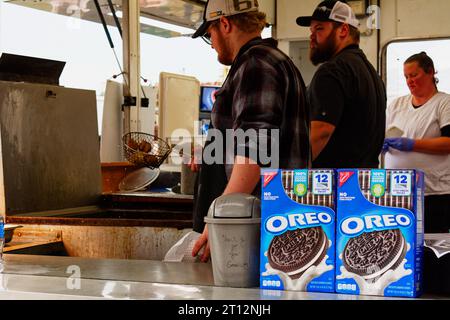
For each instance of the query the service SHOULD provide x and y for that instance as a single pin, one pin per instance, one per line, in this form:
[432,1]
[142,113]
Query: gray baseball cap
[215,9]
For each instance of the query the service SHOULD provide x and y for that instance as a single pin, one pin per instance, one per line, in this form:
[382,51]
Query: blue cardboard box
[298,230]
[380,232]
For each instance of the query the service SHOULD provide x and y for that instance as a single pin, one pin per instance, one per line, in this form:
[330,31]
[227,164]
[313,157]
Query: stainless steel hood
[186,13]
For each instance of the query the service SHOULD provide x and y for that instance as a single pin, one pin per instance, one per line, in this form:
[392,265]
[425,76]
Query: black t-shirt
[445,131]
[348,93]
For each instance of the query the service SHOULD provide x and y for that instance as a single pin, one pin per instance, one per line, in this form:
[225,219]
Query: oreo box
[379,232]
[297,230]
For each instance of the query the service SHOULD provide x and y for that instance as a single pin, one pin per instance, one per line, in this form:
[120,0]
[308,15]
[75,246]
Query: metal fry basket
[143,149]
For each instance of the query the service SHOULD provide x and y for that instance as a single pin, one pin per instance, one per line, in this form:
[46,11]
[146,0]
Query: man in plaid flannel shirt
[264,93]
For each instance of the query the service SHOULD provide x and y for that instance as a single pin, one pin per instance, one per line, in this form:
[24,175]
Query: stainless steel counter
[50,277]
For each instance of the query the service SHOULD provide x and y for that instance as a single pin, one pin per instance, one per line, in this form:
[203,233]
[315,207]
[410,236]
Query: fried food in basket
[137,158]
[145,147]
[151,159]
[141,158]
[132,144]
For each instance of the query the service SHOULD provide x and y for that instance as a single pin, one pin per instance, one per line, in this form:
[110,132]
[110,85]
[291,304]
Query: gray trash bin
[234,235]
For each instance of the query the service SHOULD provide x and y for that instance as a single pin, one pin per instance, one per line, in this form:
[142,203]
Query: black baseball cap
[331,10]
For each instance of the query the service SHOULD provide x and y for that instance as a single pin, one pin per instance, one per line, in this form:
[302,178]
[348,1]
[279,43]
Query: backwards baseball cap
[331,10]
[215,9]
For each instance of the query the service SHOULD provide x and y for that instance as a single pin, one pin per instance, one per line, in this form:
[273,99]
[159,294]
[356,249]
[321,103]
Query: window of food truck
[398,52]
[90,61]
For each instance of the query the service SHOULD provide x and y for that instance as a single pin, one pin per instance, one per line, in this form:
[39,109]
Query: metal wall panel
[50,155]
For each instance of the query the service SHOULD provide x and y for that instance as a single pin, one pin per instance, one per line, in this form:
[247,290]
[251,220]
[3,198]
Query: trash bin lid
[138,179]
[235,206]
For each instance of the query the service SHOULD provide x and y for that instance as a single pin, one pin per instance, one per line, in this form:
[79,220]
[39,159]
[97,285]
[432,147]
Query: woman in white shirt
[422,122]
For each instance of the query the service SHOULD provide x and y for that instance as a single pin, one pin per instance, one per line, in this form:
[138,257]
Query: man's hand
[193,165]
[244,178]
[202,242]
[402,144]
[196,159]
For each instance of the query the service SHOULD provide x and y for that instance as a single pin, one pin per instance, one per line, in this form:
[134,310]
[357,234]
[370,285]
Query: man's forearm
[321,133]
[244,177]
[318,143]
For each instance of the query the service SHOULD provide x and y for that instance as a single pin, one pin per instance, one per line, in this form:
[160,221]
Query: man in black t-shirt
[347,98]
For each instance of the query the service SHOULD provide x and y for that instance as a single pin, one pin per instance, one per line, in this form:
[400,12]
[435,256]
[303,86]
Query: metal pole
[131,61]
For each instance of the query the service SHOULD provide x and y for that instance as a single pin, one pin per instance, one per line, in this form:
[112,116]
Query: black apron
[210,183]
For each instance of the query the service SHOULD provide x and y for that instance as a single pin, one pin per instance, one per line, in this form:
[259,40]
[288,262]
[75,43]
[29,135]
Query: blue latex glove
[385,147]
[402,144]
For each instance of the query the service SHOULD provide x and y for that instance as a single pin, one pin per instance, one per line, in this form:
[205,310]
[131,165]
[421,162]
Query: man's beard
[225,56]
[225,59]
[223,53]
[325,51]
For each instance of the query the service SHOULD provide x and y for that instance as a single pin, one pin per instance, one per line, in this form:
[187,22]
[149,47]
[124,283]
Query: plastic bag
[182,250]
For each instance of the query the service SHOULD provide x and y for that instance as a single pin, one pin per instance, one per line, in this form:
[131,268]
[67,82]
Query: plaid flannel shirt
[264,90]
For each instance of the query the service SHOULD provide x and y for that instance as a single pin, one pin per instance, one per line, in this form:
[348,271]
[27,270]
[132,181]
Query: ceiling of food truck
[186,13]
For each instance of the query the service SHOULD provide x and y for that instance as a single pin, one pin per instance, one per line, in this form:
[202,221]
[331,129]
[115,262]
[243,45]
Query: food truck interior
[67,191]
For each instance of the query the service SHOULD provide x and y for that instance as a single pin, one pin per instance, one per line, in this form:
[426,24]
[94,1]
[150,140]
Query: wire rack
[146,150]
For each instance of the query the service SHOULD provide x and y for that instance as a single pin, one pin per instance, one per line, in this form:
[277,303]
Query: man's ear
[344,30]
[225,24]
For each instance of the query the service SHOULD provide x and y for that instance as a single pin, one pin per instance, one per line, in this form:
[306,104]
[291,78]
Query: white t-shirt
[421,123]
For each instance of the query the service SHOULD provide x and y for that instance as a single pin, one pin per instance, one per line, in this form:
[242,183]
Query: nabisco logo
[344,176]
[268,176]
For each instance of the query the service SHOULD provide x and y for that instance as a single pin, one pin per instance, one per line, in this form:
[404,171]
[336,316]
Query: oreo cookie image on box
[379,234]
[372,254]
[294,251]
[298,230]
